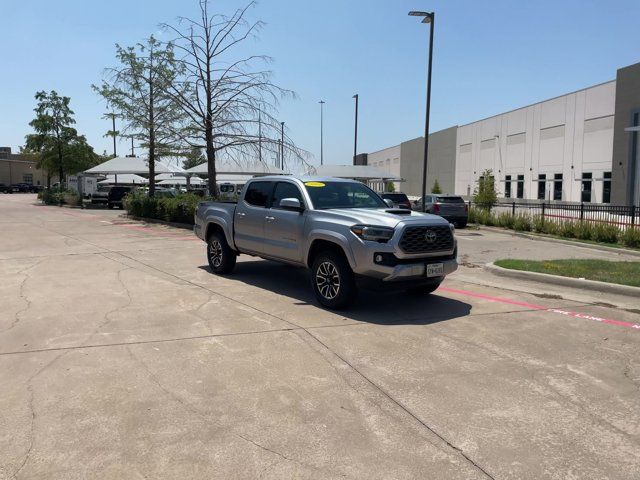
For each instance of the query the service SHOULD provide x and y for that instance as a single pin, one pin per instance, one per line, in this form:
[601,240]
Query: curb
[186,226]
[542,238]
[584,284]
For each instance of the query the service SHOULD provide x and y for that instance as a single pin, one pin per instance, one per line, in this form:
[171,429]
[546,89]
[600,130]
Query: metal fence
[622,216]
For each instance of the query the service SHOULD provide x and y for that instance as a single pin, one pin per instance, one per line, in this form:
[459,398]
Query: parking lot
[122,356]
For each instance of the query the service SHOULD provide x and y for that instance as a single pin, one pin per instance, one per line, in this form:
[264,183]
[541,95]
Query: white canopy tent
[125,178]
[180,181]
[136,165]
[252,170]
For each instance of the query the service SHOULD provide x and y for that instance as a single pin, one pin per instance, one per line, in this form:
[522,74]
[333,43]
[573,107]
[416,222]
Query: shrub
[567,229]
[180,209]
[631,237]
[604,233]
[485,195]
[505,220]
[550,228]
[583,231]
[538,224]
[522,223]
[485,217]
[473,215]
[436,187]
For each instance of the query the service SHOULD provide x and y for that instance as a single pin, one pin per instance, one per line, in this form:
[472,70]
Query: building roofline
[538,102]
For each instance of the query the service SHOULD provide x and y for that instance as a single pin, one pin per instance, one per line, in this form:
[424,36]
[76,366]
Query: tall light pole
[282,145]
[321,102]
[428,17]
[260,136]
[355,139]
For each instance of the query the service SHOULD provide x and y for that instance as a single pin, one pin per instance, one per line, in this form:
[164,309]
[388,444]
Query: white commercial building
[558,149]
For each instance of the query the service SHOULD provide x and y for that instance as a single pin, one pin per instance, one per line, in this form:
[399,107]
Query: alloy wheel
[328,280]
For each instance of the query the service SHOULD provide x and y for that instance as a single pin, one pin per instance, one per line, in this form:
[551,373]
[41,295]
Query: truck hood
[385,217]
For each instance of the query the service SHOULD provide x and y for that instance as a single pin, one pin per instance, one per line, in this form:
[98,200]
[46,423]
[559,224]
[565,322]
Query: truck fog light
[378,258]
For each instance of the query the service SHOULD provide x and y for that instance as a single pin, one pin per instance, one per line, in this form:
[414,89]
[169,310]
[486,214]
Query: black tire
[110,206]
[462,224]
[423,289]
[221,257]
[332,280]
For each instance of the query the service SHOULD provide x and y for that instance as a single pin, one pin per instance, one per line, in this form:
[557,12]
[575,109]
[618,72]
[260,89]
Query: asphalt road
[121,356]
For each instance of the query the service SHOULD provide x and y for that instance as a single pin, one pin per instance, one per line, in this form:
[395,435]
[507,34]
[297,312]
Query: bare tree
[229,102]
[137,88]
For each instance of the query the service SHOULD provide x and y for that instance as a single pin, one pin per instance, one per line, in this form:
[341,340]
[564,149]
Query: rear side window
[449,200]
[285,190]
[258,193]
[396,197]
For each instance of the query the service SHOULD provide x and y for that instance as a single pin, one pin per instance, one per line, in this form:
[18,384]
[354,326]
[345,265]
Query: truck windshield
[325,195]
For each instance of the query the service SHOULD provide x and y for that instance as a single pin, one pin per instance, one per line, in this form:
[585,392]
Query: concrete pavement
[121,356]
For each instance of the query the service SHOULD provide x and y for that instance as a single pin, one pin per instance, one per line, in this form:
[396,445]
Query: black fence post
[513,208]
[542,213]
[633,215]
[581,211]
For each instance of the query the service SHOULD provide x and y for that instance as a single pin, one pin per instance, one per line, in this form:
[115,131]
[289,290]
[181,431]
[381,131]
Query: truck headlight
[373,233]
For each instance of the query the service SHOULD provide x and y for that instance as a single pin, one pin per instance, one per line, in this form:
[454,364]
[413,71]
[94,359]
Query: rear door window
[258,193]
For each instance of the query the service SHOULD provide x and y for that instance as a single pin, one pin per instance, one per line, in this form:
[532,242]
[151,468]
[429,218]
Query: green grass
[623,273]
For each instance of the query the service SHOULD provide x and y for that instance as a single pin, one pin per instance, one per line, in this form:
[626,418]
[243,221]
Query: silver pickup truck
[340,229]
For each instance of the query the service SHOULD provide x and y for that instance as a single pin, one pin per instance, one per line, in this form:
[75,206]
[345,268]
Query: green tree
[484,195]
[56,144]
[390,187]
[137,89]
[436,187]
[193,157]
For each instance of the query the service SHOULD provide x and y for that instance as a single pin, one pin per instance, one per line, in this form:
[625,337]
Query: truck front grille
[421,239]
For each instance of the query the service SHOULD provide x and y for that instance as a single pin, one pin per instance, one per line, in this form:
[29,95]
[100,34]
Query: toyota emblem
[430,236]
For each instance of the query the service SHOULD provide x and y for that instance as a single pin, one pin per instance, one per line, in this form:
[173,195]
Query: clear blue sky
[489,57]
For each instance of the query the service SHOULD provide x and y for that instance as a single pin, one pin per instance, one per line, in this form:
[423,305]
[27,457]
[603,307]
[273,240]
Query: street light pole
[321,102]
[113,131]
[282,145]
[355,139]
[428,17]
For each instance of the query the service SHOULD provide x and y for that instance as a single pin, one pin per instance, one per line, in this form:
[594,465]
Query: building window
[27,178]
[586,187]
[520,191]
[606,188]
[542,186]
[507,186]
[557,186]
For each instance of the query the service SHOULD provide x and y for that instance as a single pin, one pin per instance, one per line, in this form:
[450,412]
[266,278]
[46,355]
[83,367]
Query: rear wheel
[110,206]
[332,280]
[423,289]
[221,257]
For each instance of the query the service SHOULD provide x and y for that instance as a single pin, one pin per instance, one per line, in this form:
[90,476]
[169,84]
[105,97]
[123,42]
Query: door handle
[269,218]
[240,214]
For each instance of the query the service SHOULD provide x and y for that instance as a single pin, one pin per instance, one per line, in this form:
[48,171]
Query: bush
[567,229]
[604,233]
[180,209]
[485,217]
[473,215]
[583,231]
[51,196]
[522,223]
[550,228]
[505,220]
[631,237]
[538,224]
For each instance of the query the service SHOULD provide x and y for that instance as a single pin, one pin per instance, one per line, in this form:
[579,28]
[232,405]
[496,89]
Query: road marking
[567,313]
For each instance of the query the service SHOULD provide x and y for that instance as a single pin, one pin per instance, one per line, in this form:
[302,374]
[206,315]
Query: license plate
[434,270]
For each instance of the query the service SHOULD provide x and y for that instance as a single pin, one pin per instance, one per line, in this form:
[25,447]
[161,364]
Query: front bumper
[418,270]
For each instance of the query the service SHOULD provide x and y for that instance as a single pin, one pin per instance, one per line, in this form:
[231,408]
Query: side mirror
[291,204]
[389,203]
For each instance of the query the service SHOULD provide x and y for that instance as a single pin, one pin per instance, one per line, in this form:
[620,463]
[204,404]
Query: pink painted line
[583,316]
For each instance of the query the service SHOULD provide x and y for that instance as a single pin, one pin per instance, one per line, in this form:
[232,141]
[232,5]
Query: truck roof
[302,178]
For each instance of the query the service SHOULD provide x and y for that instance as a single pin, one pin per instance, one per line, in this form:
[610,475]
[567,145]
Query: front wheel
[332,280]
[222,259]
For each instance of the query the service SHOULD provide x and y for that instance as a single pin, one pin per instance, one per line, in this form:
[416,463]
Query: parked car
[21,188]
[101,197]
[116,194]
[399,199]
[450,207]
[339,229]
[5,188]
